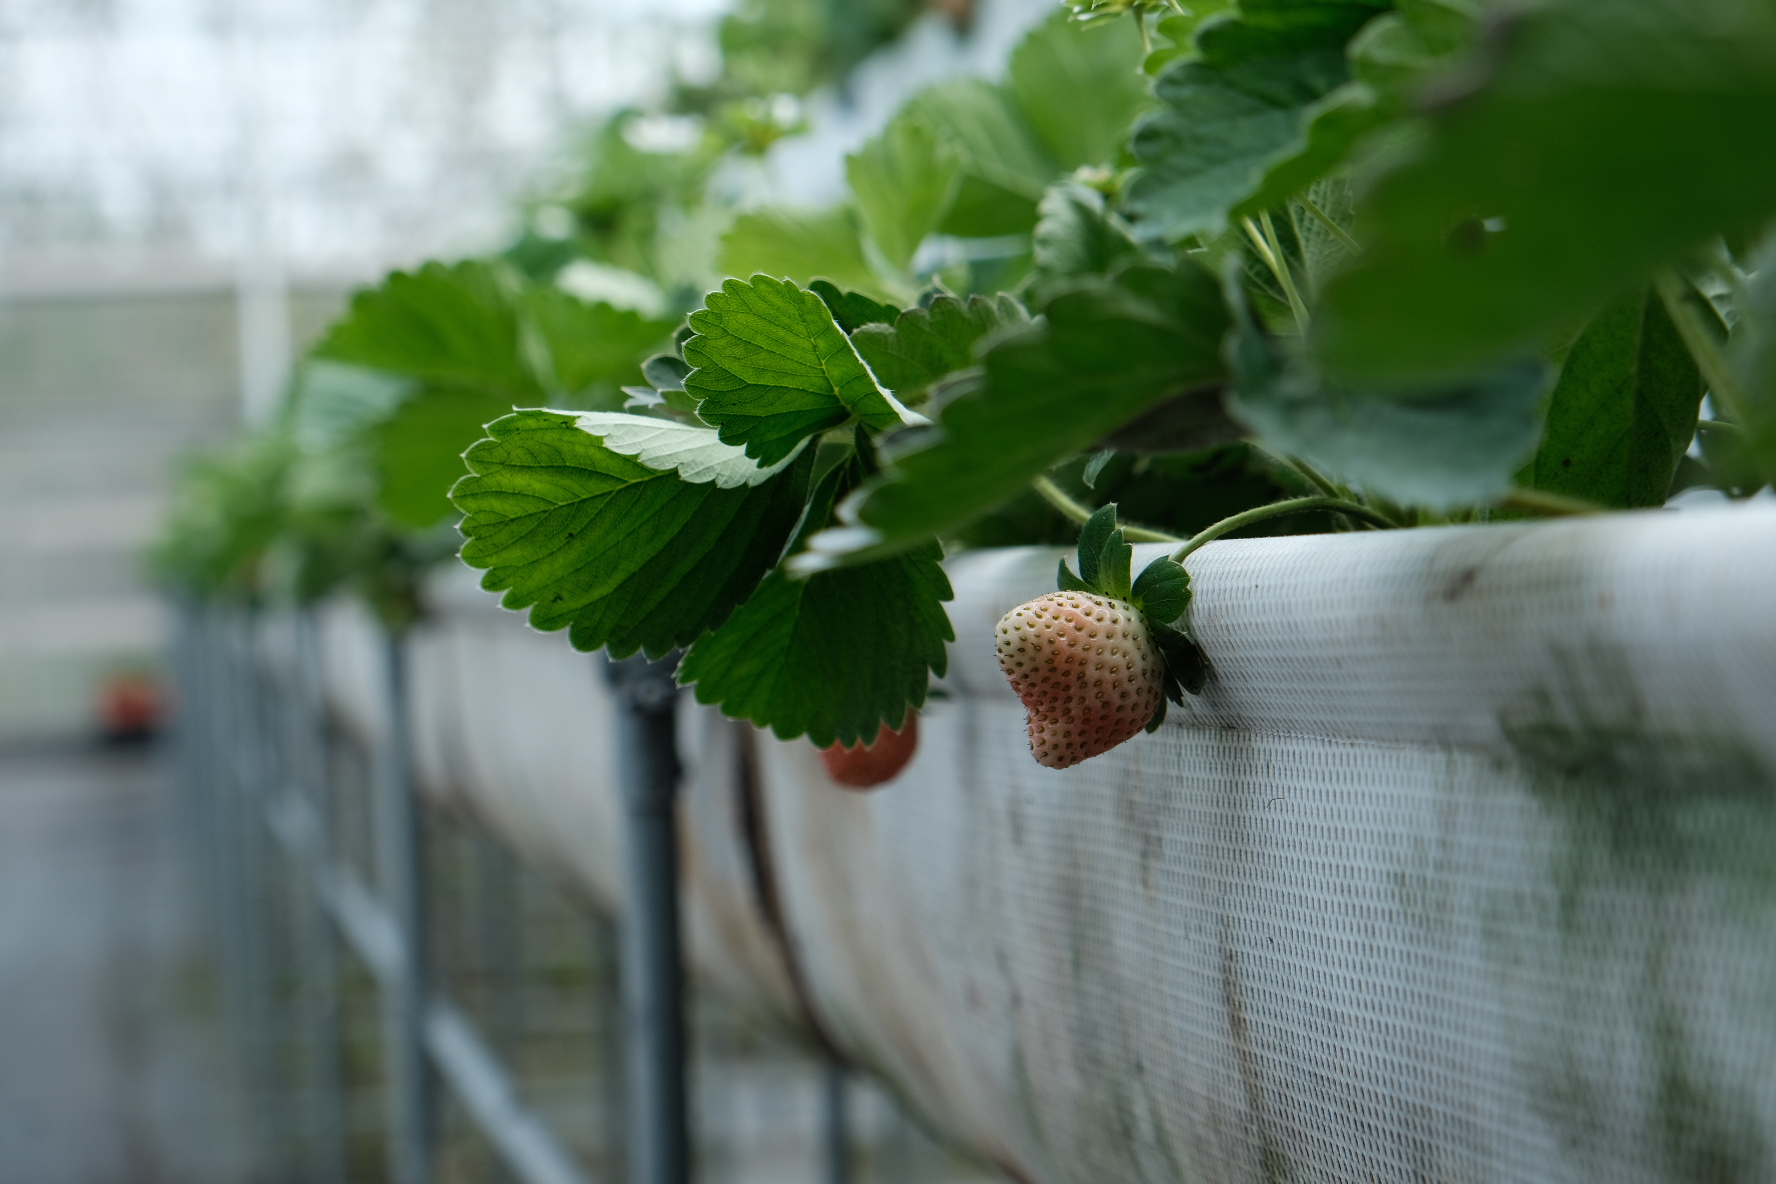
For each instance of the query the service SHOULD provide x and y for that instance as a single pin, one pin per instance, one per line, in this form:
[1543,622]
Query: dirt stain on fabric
[1656,815]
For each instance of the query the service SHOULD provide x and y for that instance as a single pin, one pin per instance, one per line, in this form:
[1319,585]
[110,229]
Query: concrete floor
[112,1064]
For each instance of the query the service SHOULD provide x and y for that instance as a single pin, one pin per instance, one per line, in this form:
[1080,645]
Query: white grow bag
[1462,869]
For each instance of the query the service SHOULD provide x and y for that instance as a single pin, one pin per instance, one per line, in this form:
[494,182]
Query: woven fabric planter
[1462,869]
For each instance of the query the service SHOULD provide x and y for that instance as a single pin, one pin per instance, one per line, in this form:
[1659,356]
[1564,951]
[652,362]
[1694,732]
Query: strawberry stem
[1077,512]
[1299,505]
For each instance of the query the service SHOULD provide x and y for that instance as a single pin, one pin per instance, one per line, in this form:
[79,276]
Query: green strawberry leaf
[1391,56]
[335,403]
[772,368]
[1331,128]
[1624,410]
[802,245]
[418,451]
[1106,351]
[664,397]
[1398,51]
[925,344]
[835,656]
[986,128]
[1175,36]
[1162,592]
[985,210]
[1746,458]
[230,505]
[621,554]
[852,310]
[1455,443]
[676,406]
[1080,88]
[1600,140]
[1236,111]
[1076,235]
[1729,463]
[454,325]
[903,183]
[1004,165]
[666,372]
[594,348]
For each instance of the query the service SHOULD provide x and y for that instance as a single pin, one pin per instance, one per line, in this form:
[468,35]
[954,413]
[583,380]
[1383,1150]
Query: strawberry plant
[1273,265]
[347,487]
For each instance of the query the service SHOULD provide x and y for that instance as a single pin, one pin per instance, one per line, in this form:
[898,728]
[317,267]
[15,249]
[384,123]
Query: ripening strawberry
[1087,671]
[867,766]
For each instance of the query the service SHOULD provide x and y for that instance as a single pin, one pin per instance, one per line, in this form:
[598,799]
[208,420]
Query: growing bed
[1460,869]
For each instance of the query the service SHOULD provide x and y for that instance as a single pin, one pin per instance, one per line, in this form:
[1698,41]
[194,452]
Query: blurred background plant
[163,289]
[1183,233]
[349,474]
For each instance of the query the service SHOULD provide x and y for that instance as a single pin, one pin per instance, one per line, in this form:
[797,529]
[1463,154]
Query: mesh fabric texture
[1463,869]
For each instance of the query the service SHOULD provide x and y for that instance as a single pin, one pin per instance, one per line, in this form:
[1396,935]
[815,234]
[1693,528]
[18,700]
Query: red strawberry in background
[131,707]
[865,766]
[1095,662]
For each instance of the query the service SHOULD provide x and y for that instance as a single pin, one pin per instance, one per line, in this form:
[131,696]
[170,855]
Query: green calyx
[1161,593]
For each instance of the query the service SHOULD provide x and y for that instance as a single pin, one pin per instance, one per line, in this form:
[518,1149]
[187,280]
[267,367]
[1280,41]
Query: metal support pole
[192,729]
[400,860]
[188,739]
[244,890]
[215,781]
[652,967]
[838,1126]
[268,929]
[608,1032]
[498,932]
[499,941]
[318,959]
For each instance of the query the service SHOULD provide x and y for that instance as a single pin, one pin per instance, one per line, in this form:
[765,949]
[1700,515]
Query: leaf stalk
[1298,505]
[1271,251]
[1080,513]
[1301,468]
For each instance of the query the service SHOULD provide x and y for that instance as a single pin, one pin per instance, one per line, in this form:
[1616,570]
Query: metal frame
[253,777]
[256,756]
[652,961]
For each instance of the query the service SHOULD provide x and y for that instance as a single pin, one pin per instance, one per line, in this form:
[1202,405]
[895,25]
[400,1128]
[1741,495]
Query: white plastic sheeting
[1462,869]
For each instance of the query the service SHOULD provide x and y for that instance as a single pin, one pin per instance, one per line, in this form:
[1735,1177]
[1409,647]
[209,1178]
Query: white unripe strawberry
[1086,669]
